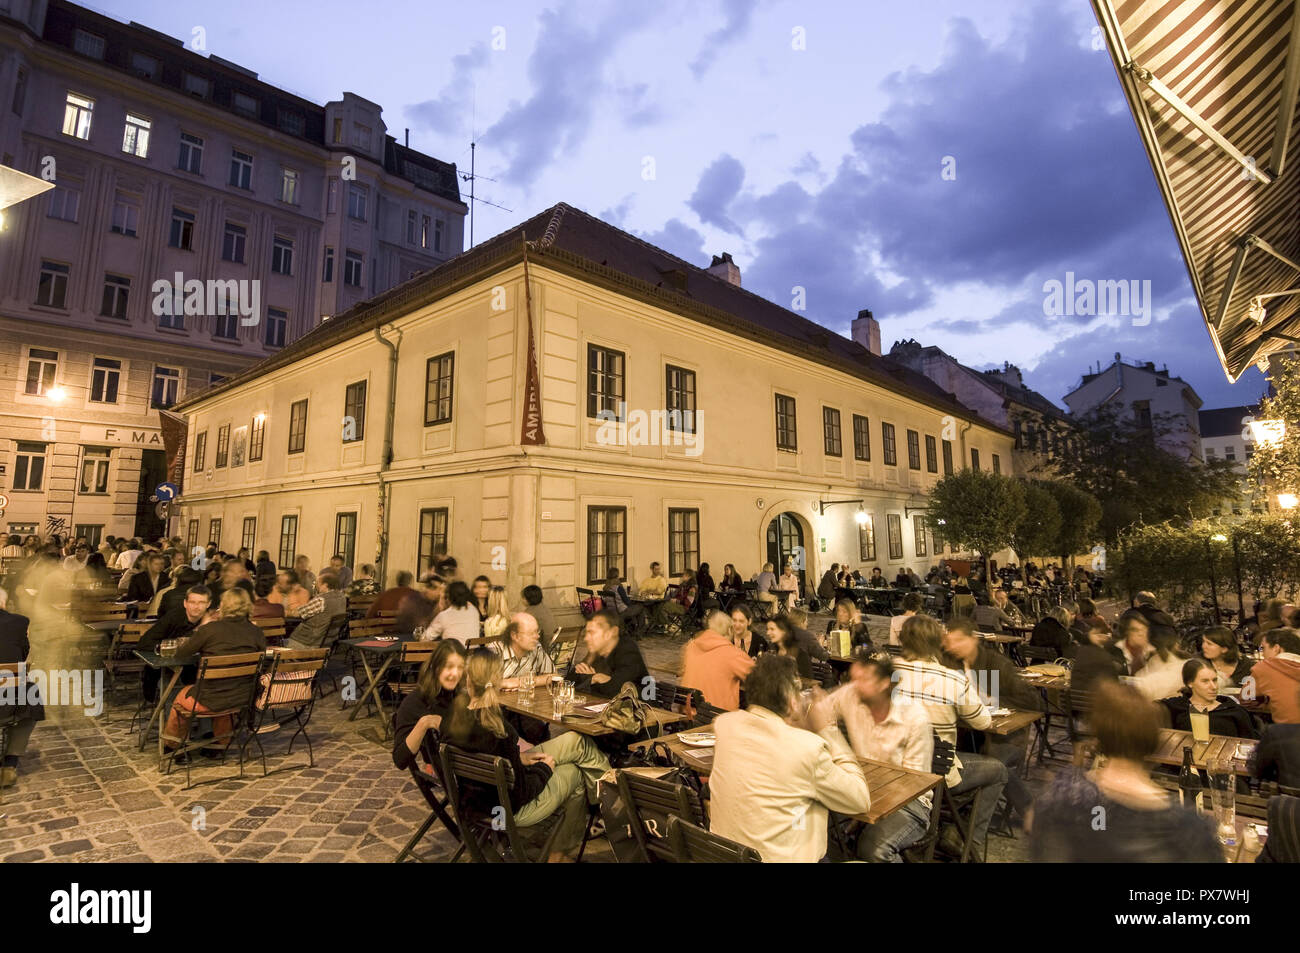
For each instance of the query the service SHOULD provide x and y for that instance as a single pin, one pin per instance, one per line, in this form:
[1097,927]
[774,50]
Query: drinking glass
[568,694]
[1200,727]
[525,688]
[556,685]
[1223,795]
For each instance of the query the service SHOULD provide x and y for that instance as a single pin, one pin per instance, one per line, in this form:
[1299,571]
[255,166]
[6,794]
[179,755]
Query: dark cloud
[718,187]
[450,111]
[680,239]
[738,14]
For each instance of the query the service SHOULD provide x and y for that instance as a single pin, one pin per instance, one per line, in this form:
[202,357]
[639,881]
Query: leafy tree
[1275,467]
[978,510]
[1080,515]
[1039,529]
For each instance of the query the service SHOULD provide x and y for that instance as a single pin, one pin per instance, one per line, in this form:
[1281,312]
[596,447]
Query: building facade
[201,220]
[669,416]
[1167,405]
[1225,435]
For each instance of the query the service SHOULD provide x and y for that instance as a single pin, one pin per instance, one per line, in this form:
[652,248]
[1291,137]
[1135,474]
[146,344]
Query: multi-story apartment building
[1226,435]
[1000,397]
[1152,398]
[597,404]
[201,220]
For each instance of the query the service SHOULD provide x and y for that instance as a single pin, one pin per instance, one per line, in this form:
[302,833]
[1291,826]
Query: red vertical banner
[533,434]
[174,430]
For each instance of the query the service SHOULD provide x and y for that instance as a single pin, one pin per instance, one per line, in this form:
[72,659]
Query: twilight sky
[810,140]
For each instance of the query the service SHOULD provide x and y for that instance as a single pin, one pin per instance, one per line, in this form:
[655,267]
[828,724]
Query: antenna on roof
[473,176]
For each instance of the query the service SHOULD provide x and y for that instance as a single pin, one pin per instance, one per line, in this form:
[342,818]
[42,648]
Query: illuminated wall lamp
[1287,501]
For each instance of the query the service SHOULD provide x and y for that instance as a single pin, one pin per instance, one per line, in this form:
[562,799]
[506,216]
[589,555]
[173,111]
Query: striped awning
[1213,87]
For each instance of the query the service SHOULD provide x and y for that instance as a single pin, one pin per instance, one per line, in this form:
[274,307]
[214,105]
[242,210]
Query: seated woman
[1143,825]
[1201,694]
[558,776]
[1097,659]
[460,620]
[787,587]
[424,709]
[731,580]
[498,616]
[781,637]
[481,588]
[1053,632]
[742,635]
[848,617]
[1219,648]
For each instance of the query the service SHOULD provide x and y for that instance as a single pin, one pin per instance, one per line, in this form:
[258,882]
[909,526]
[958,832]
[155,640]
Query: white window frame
[78,115]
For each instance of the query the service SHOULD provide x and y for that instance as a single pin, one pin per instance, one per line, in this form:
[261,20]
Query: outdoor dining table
[1169,750]
[383,648]
[1011,721]
[577,718]
[890,786]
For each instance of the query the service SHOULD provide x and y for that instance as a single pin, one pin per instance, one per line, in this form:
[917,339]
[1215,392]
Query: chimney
[408,137]
[866,331]
[725,268]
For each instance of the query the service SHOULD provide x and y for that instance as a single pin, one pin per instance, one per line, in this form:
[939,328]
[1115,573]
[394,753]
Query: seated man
[830,581]
[523,657]
[655,586]
[342,571]
[390,600]
[711,663]
[144,585]
[287,592]
[991,618]
[881,731]
[176,624]
[773,784]
[997,678]
[1277,676]
[949,699]
[765,584]
[631,614]
[912,603]
[317,613]
[611,660]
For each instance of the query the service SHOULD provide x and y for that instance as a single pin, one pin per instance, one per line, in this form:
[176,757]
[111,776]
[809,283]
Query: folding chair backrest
[416,653]
[942,759]
[564,648]
[821,671]
[1038,653]
[459,766]
[673,697]
[290,682]
[706,713]
[692,844]
[335,628]
[647,800]
[274,631]
[482,642]
[1080,702]
[586,601]
[220,668]
[387,614]
[366,628]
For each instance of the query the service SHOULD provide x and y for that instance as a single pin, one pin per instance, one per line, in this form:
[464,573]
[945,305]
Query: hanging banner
[533,434]
[174,430]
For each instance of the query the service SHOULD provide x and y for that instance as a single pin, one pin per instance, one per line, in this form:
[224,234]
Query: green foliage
[1080,516]
[978,510]
[1039,530]
[1276,467]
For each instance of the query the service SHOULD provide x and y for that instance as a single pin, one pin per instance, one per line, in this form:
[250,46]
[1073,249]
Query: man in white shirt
[912,603]
[772,783]
[879,730]
[126,559]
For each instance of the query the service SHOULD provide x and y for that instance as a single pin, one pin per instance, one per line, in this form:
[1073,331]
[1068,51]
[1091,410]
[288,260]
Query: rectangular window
[974,459]
[239,447]
[861,438]
[931,454]
[29,466]
[226,326]
[192,536]
[606,541]
[353,269]
[256,438]
[144,65]
[191,154]
[328,270]
[42,367]
[20,92]
[241,170]
[947,458]
[277,326]
[913,450]
[94,471]
[200,451]
[223,447]
[787,432]
[289,186]
[298,426]
[197,86]
[52,288]
[338,129]
[831,432]
[93,534]
[918,534]
[433,537]
[895,525]
[439,377]
[997,463]
[248,536]
[135,136]
[294,123]
[126,215]
[234,243]
[214,531]
[166,386]
[88,44]
[361,136]
[77,113]
[888,444]
[245,105]
[64,203]
[683,541]
[412,226]
[182,230]
[282,256]
[867,540]
[288,541]
[679,390]
[1142,414]
[605,381]
[105,377]
[357,202]
[437,235]
[354,412]
[345,537]
[425,222]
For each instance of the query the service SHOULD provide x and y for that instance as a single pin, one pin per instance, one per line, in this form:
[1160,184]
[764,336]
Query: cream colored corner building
[615,321]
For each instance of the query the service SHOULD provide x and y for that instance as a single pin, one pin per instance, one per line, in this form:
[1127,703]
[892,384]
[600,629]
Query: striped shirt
[536,662]
[949,699]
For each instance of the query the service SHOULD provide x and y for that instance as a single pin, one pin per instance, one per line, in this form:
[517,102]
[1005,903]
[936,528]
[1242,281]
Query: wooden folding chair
[288,687]
[649,802]
[429,782]
[692,844]
[216,669]
[121,660]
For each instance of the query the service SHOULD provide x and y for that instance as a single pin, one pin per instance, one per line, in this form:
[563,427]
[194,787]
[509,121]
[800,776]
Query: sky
[938,162]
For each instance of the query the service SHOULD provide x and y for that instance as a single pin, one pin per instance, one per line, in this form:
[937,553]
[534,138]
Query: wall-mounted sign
[97,434]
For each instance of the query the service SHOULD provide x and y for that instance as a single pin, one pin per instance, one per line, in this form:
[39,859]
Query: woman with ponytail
[557,776]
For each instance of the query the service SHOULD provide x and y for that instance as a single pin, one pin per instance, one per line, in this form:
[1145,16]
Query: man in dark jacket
[611,661]
[144,584]
[1277,756]
[177,624]
[826,588]
[995,676]
[15,647]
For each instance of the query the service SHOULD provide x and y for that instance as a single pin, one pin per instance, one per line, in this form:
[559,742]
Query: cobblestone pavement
[87,793]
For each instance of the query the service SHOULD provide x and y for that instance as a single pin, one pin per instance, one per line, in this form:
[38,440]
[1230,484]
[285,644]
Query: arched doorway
[785,543]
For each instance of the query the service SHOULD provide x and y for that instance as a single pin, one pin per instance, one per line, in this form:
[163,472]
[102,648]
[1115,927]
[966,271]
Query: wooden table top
[1049,682]
[1001,638]
[583,722]
[1013,721]
[1239,853]
[1169,750]
[890,786]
